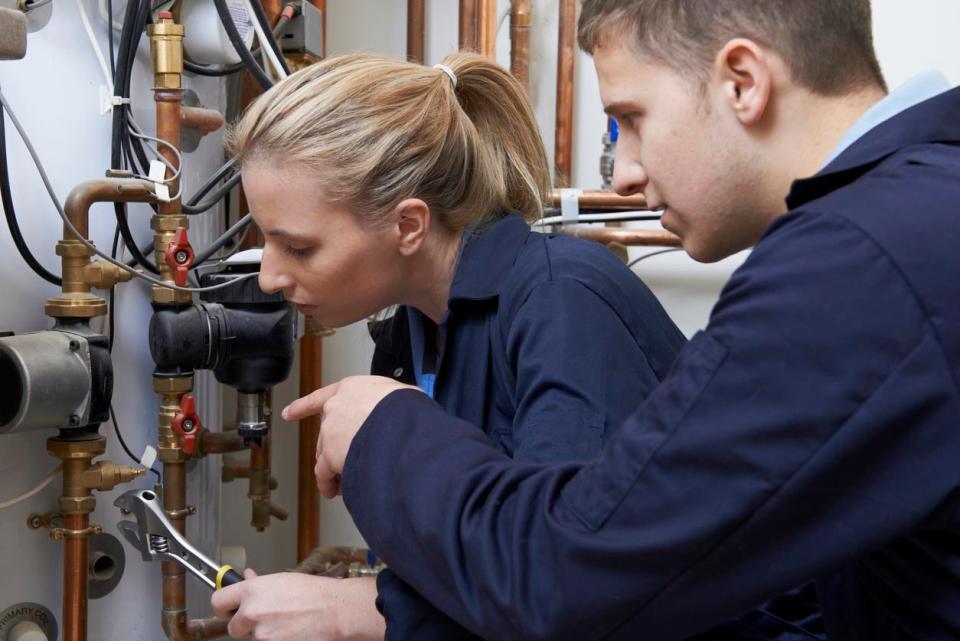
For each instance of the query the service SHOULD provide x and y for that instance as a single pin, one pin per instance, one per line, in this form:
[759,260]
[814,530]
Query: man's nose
[629,176]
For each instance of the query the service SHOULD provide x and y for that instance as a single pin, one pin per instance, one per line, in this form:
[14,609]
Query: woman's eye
[295,252]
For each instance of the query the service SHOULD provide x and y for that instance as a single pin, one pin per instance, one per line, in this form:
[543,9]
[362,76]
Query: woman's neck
[433,277]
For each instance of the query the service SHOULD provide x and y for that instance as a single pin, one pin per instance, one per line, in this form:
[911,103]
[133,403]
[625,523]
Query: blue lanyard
[425,381]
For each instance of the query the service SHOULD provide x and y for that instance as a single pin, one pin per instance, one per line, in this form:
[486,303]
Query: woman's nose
[273,278]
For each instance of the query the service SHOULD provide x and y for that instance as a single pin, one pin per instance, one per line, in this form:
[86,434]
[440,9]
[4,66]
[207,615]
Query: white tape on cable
[149,457]
[570,204]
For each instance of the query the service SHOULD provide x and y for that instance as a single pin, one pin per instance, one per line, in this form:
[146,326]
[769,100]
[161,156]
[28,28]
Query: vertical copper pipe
[416,25]
[468,25]
[169,118]
[308,497]
[260,478]
[75,579]
[520,21]
[174,585]
[563,149]
[487,27]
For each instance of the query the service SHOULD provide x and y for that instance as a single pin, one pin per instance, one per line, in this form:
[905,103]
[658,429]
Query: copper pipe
[231,472]
[260,475]
[168,103]
[308,497]
[206,629]
[219,443]
[520,21]
[75,579]
[174,616]
[84,195]
[563,148]
[626,237]
[468,25]
[416,26]
[487,27]
[204,120]
[594,200]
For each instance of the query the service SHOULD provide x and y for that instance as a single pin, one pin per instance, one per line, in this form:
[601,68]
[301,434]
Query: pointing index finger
[309,405]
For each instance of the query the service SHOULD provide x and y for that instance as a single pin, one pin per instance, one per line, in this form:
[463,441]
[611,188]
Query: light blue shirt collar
[909,94]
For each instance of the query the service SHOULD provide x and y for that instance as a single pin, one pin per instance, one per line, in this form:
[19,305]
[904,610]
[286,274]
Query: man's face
[682,147]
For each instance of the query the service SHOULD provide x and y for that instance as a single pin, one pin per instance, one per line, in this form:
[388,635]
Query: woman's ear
[742,69]
[412,220]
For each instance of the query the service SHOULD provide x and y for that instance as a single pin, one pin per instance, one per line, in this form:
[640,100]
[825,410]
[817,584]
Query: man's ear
[743,70]
[412,220]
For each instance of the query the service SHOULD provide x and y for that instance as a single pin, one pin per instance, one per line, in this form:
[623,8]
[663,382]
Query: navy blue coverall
[547,344]
[812,430]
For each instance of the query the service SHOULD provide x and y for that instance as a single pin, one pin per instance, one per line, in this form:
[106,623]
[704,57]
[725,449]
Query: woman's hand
[343,408]
[289,606]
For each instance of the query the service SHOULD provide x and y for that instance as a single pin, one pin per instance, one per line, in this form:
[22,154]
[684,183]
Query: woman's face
[317,253]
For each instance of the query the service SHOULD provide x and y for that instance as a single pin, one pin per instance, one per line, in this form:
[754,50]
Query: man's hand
[289,606]
[343,407]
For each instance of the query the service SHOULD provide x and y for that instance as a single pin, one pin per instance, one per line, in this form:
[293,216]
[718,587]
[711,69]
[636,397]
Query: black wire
[11,215]
[659,252]
[221,242]
[113,64]
[217,72]
[212,181]
[261,17]
[200,207]
[123,444]
[238,45]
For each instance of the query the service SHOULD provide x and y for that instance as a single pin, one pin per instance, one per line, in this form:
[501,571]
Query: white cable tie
[570,204]
[157,171]
[162,192]
[108,101]
[149,457]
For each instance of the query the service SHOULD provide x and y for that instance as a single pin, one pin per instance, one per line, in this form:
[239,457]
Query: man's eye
[295,252]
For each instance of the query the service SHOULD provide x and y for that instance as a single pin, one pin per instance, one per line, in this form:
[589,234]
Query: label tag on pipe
[570,204]
[163,192]
[149,457]
[157,171]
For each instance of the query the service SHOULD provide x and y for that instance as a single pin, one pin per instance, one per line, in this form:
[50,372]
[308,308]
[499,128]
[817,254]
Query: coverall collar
[487,257]
[936,120]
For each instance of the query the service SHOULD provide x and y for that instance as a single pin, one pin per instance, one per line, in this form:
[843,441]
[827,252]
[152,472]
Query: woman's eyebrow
[285,235]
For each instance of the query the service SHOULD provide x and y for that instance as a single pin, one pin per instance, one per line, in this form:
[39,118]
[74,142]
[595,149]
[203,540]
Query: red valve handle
[179,256]
[186,423]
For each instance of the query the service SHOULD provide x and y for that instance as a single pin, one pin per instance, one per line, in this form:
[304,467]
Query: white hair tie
[447,70]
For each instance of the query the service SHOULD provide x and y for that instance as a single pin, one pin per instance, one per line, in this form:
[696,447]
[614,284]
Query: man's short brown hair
[827,44]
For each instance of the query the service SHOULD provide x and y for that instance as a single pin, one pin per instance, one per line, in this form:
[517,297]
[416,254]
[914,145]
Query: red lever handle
[179,256]
[186,423]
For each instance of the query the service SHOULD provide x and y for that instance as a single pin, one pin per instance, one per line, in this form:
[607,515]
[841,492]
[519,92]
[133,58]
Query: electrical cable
[30,5]
[221,242]
[200,207]
[216,72]
[70,226]
[212,181]
[88,28]
[267,36]
[36,488]
[608,217]
[113,65]
[659,252]
[6,197]
[123,444]
[238,45]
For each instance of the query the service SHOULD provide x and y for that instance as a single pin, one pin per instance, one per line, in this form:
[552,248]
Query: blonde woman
[380,183]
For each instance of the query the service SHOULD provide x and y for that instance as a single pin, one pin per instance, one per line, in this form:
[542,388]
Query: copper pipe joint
[626,237]
[206,629]
[593,200]
[204,120]
[118,190]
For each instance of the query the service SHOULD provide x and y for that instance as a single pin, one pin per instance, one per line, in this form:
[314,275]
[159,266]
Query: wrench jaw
[155,537]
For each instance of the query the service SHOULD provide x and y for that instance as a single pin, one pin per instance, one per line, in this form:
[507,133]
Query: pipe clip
[179,256]
[186,423]
[60,533]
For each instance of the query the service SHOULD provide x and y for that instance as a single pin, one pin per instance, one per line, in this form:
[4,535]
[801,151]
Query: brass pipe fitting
[166,50]
[80,477]
[79,274]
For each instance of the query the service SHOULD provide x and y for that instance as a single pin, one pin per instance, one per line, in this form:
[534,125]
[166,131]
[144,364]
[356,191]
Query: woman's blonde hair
[379,130]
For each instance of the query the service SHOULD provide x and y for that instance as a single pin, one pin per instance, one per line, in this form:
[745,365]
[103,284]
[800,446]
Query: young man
[811,431]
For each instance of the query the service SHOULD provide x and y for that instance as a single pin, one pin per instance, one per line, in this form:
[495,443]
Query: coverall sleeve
[803,428]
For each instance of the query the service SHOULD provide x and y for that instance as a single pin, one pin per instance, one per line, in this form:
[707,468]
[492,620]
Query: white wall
[55,93]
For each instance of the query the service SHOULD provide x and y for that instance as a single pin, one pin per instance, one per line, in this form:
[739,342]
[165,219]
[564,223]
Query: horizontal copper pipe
[118,190]
[206,629]
[626,237]
[204,120]
[220,443]
[603,200]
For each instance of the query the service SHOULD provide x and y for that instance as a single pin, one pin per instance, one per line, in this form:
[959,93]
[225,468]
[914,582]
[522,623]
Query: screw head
[74,345]
[74,420]
[188,425]
[180,257]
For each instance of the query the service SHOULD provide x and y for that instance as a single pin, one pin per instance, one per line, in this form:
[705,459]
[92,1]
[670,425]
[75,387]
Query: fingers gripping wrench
[156,538]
